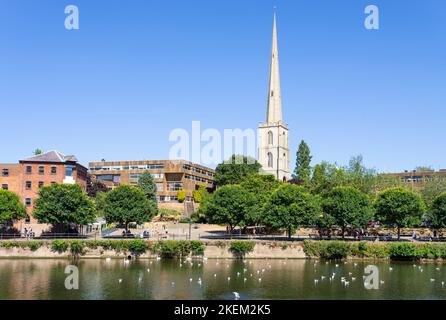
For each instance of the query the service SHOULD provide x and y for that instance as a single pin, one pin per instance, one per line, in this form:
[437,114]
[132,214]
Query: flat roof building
[170,176]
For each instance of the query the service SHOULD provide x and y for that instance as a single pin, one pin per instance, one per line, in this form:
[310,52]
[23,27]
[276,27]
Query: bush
[34,245]
[77,247]
[197,247]
[328,249]
[181,194]
[137,246]
[59,246]
[240,248]
[404,251]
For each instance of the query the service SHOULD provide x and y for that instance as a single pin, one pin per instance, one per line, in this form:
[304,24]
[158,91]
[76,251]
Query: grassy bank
[363,249]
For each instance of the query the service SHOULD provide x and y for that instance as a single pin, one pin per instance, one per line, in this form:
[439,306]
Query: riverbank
[222,249]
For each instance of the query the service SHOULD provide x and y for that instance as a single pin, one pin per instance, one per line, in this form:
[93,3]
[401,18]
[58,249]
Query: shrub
[77,247]
[403,251]
[181,194]
[240,248]
[197,247]
[34,245]
[137,246]
[59,246]
[328,249]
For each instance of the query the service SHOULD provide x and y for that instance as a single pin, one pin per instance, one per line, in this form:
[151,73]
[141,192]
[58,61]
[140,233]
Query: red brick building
[26,177]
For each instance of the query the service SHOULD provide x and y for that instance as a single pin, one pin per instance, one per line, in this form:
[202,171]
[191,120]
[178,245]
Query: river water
[218,279]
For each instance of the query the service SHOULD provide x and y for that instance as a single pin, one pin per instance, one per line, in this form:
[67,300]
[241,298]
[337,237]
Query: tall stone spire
[274,111]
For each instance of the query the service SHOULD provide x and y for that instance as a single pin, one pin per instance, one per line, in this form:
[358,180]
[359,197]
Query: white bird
[199,264]
[244,279]
[229,278]
[326,262]
[438,269]
[199,282]
[263,270]
[139,279]
[350,273]
[442,283]
[126,261]
[244,269]
[316,281]
[258,271]
[322,277]
[173,284]
[421,270]
[260,279]
[250,275]
[346,283]
[382,282]
[205,259]
[215,275]
[158,258]
[120,280]
[432,280]
[238,274]
[148,270]
[353,278]
[181,265]
[336,265]
[236,295]
[355,264]
[188,259]
[108,259]
[390,269]
[190,279]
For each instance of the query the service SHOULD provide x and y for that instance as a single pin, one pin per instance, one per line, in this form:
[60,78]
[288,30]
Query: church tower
[274,155]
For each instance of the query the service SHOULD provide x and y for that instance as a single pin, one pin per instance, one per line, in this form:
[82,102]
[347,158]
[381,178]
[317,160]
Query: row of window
[131,167]
[189,167]
[174,186]
[196,178]
[167,198]
[28,184]
[138,175]
[29,169]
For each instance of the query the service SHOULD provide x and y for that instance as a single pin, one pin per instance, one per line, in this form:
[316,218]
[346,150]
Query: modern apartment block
[170,176]
[26,177]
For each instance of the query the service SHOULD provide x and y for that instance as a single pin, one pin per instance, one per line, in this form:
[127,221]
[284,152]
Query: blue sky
[138,69]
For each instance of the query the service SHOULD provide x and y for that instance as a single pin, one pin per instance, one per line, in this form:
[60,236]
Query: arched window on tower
[270,137]
[270,160]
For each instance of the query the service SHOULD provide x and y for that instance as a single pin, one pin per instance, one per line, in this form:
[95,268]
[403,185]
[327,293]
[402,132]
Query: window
[5,172]
[270,137]
[29,169]
[69,171]
[28,202]
[174,186]
[159,187]
[28,185]
[41,169]
[5,186]
[53,170]
[270,160]
[27,219]
[40,184]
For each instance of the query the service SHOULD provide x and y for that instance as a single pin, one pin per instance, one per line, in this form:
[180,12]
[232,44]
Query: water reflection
[218,279]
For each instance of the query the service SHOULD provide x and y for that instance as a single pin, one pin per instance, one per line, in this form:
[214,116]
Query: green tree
[198,194]
[99,201]
[400,207]
[327,176]
[234,170]
[303,159]
[126,204]
[437,214]
[181,194]
[359,176]
[10,207]
[261,187]
[290,207]
[37,152]
[62,204]
[432,189]
[348,207]
[230,205]
[147,184]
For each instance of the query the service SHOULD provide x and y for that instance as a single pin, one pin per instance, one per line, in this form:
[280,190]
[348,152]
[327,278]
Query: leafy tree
[348,207]
[327,176]
[181,194]
[10,206]
[198,194]
[147,184]
[303,159]
[261,187]
[126,204]
[234,170]
[432,189]
[99,201]
[290,207]
[400,207]
[62,204]
[37,152]
[359,176]
[230,205]
[437,214]
[94,186]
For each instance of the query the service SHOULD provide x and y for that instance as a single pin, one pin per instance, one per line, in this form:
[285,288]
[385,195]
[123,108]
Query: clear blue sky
[138,69]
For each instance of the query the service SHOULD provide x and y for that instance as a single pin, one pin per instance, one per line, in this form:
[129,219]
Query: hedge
[394,251]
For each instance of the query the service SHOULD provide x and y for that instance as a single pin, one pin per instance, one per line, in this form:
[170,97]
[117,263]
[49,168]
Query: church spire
[274,112]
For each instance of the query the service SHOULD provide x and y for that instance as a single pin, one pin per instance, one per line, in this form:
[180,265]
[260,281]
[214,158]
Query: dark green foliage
[59,246]
[348,207]
[303,159]
[77,248]
[61,204]
[290,207]
[137,246]
[178,248]
[240,248]
[127,204]
[400,207]
[234,170]
[10,206]
[437,213]
[147,184]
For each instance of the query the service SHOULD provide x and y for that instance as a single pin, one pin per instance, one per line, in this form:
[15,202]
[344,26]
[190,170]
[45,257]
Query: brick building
[170,176]
[26,177]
